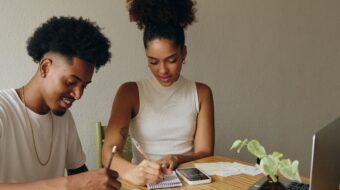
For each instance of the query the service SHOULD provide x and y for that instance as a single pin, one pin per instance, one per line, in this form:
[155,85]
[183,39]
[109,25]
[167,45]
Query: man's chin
[59,112]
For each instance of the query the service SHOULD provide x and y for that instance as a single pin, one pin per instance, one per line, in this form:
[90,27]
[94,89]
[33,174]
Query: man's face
[65,81]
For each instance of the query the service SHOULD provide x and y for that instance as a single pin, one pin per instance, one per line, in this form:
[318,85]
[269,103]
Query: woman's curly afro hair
[145,12]
[71,37]
[162,18]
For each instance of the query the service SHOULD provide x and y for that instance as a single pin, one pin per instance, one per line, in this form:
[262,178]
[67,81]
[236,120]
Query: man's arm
[82,169]
[94,179]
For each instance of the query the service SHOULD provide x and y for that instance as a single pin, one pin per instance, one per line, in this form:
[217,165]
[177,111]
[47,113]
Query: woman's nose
[163,68]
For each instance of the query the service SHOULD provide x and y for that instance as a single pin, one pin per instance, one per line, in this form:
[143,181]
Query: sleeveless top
[166,121]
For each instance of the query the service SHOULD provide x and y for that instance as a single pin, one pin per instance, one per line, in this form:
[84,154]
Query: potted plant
[270,164]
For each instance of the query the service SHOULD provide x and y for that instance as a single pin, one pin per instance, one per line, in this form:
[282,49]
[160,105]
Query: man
[38,137]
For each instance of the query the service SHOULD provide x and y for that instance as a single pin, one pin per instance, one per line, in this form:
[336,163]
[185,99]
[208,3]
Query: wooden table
[236,182]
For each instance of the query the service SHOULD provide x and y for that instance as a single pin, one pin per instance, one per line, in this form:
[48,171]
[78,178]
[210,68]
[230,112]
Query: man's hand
[101,179]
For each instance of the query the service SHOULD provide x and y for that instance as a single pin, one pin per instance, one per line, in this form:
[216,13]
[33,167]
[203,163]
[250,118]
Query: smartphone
[193,176]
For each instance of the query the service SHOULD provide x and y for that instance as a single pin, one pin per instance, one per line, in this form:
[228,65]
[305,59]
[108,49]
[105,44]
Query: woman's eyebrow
[172,55]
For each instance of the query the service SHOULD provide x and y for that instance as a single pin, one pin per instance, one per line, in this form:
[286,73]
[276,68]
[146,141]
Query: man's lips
[67,102]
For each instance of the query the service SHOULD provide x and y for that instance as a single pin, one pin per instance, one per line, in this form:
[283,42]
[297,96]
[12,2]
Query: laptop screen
[325,167]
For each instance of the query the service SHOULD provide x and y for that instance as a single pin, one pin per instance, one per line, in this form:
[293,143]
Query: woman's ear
[184,53]
[44,67]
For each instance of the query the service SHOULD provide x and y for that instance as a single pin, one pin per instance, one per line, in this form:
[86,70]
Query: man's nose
[77,92]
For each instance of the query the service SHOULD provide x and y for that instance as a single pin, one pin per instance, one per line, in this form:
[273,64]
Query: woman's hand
[145,173]
[168,163]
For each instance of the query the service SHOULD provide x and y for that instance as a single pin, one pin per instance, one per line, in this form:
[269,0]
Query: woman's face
[165,60]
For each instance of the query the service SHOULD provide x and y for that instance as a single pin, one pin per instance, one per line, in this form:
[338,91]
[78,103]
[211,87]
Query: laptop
[325,164]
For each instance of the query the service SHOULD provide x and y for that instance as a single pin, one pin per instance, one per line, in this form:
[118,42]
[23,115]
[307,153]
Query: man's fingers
[112,174]
[114,184]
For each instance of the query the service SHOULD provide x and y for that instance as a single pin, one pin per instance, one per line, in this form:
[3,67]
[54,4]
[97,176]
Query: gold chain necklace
[29,121]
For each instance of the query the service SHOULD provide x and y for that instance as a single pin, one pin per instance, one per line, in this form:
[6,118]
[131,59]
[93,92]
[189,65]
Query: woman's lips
[165,79]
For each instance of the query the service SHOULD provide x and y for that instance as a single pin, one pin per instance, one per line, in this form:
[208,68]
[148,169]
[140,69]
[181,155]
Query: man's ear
[44,67]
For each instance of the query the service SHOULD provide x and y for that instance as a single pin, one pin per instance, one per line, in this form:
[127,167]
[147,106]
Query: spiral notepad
[169,181]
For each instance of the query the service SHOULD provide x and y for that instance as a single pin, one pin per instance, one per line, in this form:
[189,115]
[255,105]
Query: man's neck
[30,95]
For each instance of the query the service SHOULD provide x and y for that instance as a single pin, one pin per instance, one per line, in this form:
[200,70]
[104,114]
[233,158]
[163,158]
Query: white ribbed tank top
[166,121]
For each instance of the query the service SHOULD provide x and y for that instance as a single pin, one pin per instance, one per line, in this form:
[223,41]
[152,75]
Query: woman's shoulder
[128,85]
[203,90]
[128,90]
[128,96]
[202,87]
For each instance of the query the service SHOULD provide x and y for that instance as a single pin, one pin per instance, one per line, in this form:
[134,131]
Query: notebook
[325,164]
[169,181]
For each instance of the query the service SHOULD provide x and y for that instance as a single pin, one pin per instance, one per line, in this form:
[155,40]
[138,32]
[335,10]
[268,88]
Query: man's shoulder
[7,97]
[7,92]
[7,103]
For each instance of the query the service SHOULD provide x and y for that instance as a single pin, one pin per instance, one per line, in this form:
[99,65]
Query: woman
[171,117]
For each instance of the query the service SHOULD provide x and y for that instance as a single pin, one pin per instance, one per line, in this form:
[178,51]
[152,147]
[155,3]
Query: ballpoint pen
[139,148]
[114,149]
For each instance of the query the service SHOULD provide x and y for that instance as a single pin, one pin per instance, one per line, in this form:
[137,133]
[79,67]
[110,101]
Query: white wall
[272,65]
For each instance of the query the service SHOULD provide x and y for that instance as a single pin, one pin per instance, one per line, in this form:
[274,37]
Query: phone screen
[193,174]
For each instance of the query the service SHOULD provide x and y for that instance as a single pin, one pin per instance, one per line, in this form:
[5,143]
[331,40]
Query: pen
[114,149]
[139,148]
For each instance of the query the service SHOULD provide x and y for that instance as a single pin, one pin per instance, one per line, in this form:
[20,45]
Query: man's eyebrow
[81,80]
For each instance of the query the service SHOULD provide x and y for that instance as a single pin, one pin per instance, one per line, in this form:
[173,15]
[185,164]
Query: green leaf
[236,144]
[274,178]
[285,163]
[290,169]
[256,149]
[242,145]
[266,168]
[277,154]
[295,165]
[269,164]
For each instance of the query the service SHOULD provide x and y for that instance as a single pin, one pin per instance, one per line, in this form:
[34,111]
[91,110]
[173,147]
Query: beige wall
[272,65]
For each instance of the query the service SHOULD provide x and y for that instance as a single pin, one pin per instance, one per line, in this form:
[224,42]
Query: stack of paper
[227,168]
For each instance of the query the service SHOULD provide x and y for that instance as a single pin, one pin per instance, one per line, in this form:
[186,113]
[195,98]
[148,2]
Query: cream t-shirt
[18,160]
